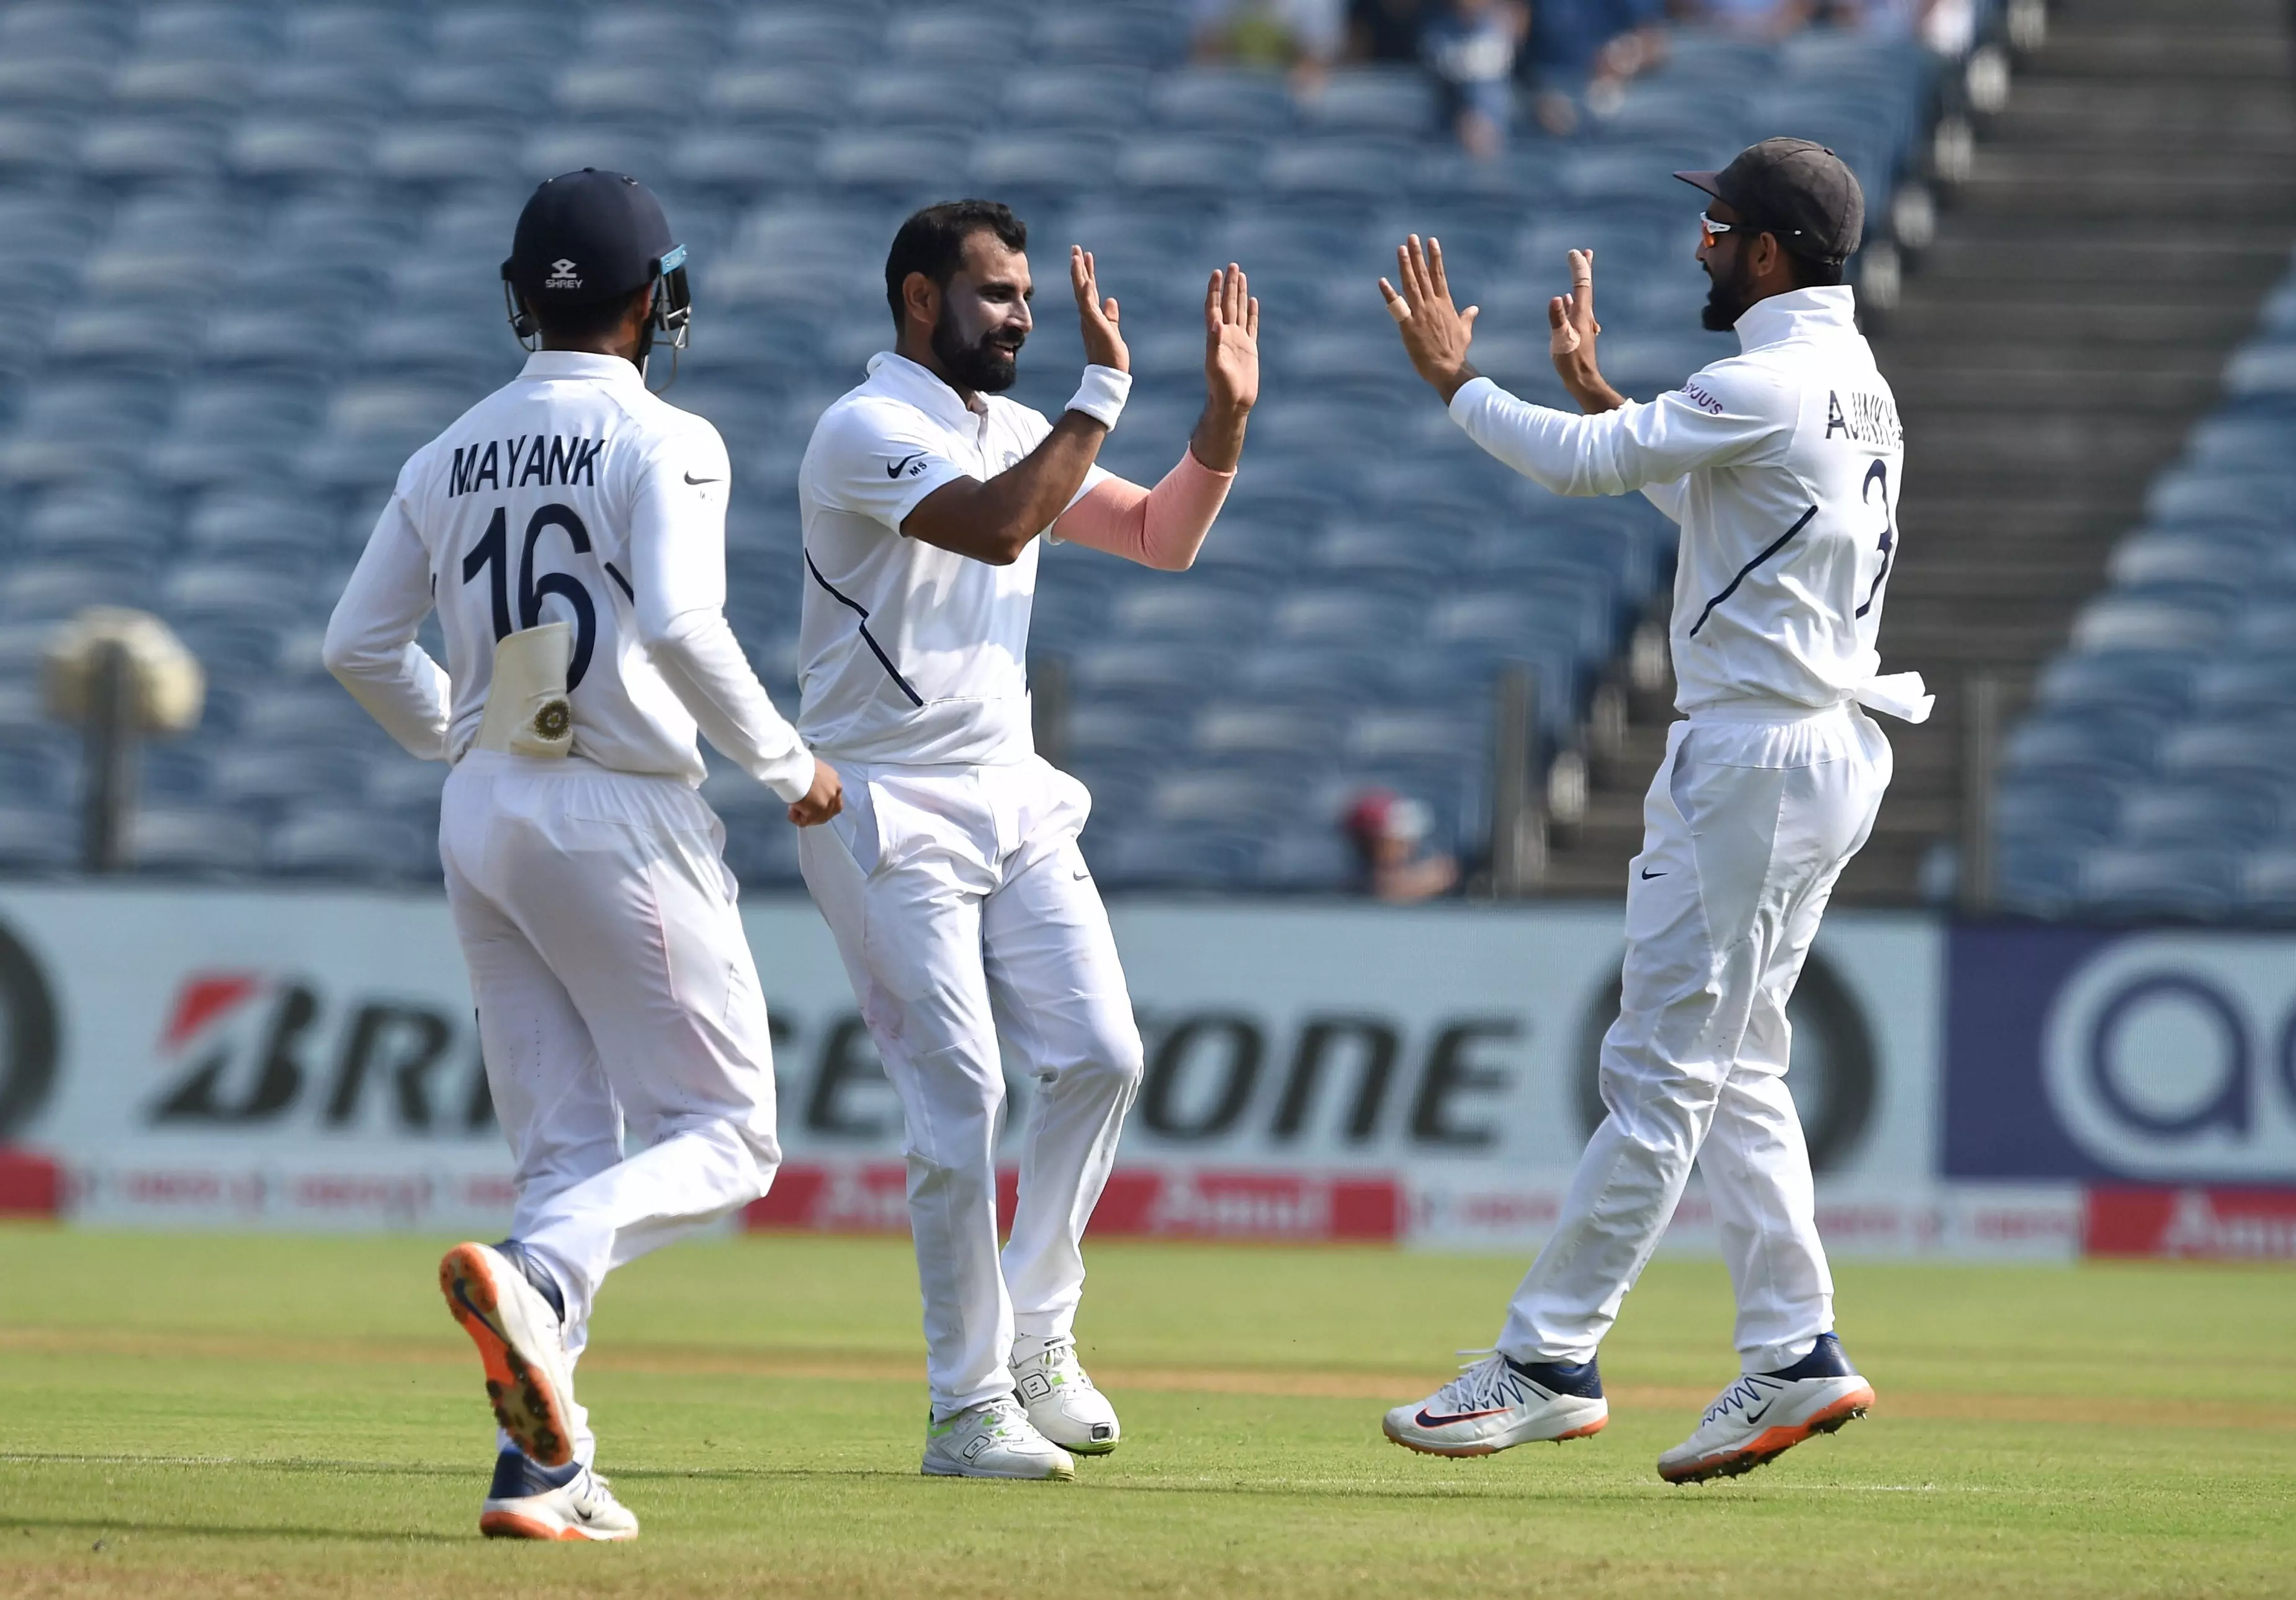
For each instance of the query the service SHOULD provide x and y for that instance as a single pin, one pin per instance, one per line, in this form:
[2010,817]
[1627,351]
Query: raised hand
[1231,341]
[1104,346]
[1572,328]
[1436,333]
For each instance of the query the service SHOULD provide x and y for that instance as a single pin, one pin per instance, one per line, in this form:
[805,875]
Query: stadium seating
[2155,776]
[272,231]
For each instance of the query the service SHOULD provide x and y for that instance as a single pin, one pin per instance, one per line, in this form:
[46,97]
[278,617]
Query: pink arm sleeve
[1161,527]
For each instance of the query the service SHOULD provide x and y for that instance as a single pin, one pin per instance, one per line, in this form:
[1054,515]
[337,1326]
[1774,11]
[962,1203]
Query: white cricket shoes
[520,1340]
[526,1501]
[1497,1403]
[1766,1414]
[993,1440]
[1063,1402]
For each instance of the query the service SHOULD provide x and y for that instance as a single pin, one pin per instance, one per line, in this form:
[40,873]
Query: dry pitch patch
[194,1416]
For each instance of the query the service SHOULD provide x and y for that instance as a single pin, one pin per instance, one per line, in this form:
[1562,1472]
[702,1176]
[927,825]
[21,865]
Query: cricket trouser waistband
[1901,695]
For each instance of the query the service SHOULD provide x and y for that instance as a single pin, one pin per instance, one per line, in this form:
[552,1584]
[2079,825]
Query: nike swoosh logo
[1647,873]
[1754,1417]
[896,470]
[697,482]
[1425,1421]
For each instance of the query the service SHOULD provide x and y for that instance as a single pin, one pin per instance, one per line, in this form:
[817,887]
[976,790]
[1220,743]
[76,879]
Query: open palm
[1231,340]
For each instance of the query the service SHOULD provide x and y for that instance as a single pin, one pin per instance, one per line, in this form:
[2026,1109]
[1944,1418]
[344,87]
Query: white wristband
[1101,395]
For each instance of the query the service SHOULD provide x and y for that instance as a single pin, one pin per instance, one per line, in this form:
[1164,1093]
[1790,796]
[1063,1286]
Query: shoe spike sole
[1465,1452]
[524,1404]
[1775,1443]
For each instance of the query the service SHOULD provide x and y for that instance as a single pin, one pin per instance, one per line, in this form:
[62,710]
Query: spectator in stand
[1304,36]
[1750,18]
[1385,30]
[1581,53]
[1388,831]
[1470,46]
[1945,28]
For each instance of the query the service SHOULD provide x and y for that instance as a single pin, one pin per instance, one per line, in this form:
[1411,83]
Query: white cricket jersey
[569,494]
[1782,465]
[912,655]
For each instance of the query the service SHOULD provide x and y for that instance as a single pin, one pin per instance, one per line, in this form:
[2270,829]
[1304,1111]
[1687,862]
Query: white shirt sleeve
[877,457]
[677,578]
[370,646]
[1718,419]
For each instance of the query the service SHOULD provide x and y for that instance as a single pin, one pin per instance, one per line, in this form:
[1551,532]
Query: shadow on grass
[114,1527]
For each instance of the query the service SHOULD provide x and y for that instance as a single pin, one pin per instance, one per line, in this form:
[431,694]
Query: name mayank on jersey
[546,460]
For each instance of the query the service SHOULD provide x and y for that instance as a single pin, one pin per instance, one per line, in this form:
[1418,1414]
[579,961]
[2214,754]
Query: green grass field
[195,1416]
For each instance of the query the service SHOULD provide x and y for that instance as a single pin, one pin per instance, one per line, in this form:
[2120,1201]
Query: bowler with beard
[960,905]
[1782,465]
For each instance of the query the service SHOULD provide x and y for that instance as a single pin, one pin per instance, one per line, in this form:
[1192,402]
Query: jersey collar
[1798,313]
[580,363]
[918,386]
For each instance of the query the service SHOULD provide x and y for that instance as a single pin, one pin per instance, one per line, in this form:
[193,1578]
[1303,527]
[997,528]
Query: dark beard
[1726,301]
[982,368]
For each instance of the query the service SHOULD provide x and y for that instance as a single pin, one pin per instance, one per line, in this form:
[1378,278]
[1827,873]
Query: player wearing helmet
[569,531]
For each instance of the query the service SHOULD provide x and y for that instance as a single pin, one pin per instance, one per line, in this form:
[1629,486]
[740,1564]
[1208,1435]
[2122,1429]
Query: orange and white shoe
[519,1334]
[527,1501]
[1766,1414]
[1497,1403]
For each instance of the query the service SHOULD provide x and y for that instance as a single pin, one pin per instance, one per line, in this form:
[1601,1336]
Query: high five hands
[1231,367]
[1572,329]
[1104,346]
[1436,333]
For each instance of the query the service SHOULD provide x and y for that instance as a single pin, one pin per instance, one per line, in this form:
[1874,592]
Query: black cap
[588,236]
[1799,191]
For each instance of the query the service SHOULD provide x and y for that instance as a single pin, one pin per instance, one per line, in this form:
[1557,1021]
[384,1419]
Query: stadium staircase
[2101,251]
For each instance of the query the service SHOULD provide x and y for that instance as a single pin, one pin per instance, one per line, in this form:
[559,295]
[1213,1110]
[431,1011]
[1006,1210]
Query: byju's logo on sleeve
[2173,1056]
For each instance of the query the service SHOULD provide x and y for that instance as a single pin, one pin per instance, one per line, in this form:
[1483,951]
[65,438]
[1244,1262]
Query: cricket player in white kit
[570,530]
[953,882]
[1782,465]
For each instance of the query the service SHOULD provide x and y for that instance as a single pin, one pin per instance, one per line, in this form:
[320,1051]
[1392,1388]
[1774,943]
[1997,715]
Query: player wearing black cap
[569,530]
[1782,465]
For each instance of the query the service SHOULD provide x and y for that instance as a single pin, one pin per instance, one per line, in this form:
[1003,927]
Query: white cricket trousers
[966,914]
[1747,826]
[617,999]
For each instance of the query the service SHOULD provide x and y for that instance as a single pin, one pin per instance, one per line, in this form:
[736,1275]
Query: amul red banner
[2193,1224]
[1139,1202]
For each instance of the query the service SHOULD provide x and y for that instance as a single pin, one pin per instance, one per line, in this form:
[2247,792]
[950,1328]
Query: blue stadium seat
[2228,752]
[1235,99]
[80,427]
[37,839]
[325,842]
[196,843]
[2183,885]
[2085,747]
[175,149]
[371,428]
[1338,169]
[2167,816]
[1129,38]
[1347,615]
[229,430]
[1174,857]
[1094,98]
[2160,683]
[984,33]
[778,94]
[2057,812]
[1295,733]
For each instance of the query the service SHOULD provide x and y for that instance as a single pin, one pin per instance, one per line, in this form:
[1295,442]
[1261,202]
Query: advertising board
[271,1058]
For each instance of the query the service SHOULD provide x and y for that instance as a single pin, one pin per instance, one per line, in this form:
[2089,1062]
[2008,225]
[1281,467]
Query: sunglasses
[1709,230]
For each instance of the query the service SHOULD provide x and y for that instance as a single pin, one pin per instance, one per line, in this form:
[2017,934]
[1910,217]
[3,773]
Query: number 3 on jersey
[1879,472]
[491,556]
